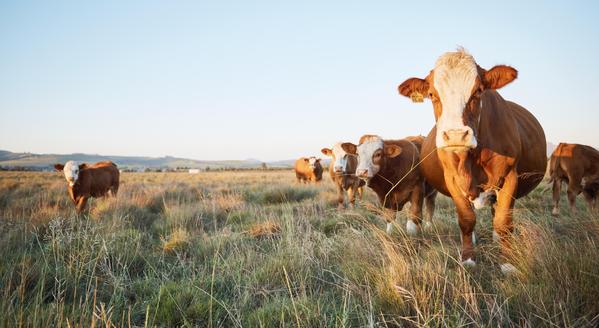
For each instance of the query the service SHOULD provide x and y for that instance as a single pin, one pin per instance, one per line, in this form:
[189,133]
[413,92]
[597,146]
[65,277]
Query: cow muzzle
[458,139]
[338,169]
[362,173]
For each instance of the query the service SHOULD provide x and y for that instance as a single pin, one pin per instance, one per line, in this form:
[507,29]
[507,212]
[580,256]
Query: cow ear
[306,160]
[326,151]
[318,160]
[414,88]
[392,150]
[499,76]
[58,167]
[350,148]
[82,166]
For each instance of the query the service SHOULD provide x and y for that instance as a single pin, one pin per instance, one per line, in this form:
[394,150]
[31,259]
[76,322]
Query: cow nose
[459,138]
[362,173]
[338,169]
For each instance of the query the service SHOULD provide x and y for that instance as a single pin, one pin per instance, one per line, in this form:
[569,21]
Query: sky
[273,80]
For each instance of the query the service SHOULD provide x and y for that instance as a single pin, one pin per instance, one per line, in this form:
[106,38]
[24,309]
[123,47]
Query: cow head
[312,162]
[71,171]
[341,159]
[372,154]
[455,87]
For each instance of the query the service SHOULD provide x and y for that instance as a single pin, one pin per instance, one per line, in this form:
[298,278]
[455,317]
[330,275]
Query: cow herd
[482,150]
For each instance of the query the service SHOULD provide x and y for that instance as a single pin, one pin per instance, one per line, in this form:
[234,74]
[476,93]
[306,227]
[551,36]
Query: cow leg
[502,222]
[81,202]
[351,197]
[340,198]
[590,198]
[466,221]
[429,202]
[574,188]
[360,190]
[557,186]
[415,213]
[390,216]
[114,190]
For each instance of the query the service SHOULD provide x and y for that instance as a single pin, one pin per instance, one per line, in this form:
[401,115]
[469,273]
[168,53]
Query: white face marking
[365,152]
[411,228]
[71,172]
[454,77]
[340,156]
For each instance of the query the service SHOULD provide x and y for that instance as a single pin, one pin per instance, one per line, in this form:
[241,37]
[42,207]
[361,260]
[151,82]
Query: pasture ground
[254,249]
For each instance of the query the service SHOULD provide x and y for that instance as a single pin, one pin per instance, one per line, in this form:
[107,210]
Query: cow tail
[555,165]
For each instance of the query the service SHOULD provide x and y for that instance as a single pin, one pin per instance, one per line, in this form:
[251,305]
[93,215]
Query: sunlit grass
[255,249]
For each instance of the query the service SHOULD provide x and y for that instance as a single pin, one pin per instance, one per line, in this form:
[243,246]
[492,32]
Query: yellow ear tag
[417,97]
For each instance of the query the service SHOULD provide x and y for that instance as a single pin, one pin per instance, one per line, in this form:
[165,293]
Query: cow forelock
[339,158]
[366,150]
[454,78]
[71,172]
[312,162]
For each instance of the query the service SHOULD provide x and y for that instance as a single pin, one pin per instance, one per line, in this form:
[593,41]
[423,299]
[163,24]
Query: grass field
[254,249]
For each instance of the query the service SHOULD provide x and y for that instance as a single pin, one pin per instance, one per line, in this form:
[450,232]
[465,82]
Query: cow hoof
[389,228]
[509,269]
[411,228]
[496,237]
[469,263]
[427,225]
[555,212]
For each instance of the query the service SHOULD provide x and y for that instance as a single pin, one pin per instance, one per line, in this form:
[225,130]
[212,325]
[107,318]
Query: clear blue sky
[273,79]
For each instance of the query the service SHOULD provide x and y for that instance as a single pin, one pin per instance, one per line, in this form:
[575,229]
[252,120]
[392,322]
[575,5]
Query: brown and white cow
[87,181]
[389,167]
[343,173]
[578,166]
[308,169]
[481,144]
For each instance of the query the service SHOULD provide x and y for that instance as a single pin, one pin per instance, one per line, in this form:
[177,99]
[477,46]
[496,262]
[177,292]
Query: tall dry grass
[254,249]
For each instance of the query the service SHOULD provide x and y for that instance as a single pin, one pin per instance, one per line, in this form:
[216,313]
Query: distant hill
[40,161]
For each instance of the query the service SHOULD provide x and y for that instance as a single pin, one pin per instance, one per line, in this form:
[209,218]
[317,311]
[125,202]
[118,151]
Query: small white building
[194,171]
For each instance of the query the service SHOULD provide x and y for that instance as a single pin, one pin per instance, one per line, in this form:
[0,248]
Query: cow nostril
[465,135]
[445,136]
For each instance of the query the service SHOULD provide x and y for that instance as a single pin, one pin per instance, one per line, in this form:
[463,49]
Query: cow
[87,181]
[343,173]
[390,169]
[481,146]
[308,170]
[578,166]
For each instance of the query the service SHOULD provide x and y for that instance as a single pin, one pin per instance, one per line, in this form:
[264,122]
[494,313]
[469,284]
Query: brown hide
[392,170]
[508,136]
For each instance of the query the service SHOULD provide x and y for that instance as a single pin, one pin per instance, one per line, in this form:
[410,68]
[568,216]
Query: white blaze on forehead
[71,171]
[340,156]
[454,76]
[365,152]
